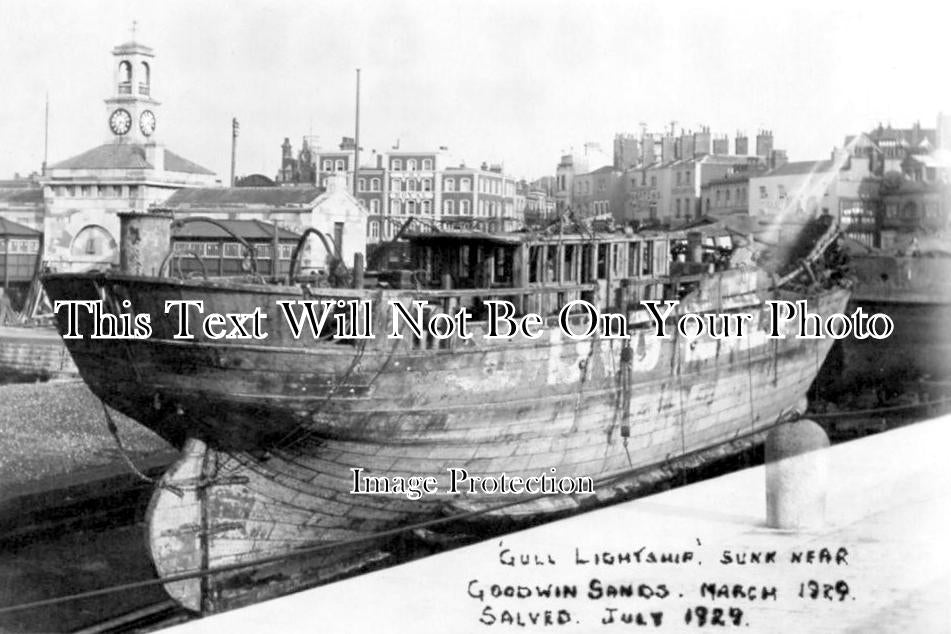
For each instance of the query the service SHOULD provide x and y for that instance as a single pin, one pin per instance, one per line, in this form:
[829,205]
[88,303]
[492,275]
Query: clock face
[147,122]
[120,121]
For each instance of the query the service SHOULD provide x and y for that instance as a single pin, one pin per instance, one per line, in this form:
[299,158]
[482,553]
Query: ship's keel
[223,536]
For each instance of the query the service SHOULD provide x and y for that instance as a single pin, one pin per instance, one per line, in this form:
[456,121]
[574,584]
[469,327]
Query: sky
[517,83]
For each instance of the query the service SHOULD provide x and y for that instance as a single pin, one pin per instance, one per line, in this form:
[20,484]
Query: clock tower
[131,112]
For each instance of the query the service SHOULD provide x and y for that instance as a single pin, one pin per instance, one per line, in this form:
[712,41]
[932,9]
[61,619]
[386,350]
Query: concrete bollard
[797,475]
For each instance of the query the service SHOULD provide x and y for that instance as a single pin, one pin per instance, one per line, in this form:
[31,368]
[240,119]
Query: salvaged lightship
[272,429]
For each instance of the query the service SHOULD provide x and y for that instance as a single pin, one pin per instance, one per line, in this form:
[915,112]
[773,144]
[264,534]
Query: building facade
[333,211]
[400,185]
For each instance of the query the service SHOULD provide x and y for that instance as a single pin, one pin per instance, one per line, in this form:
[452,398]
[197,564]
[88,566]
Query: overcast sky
[501,81]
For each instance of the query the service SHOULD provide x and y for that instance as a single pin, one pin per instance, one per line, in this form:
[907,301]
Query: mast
[46,134]
[356,140]
[234,143]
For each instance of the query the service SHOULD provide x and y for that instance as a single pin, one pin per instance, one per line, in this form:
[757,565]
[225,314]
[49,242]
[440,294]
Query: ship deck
[888,504]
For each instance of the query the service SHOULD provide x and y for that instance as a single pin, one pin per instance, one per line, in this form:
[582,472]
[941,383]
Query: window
[395,208]
[328,165]
[762,192]
[412,186]
[374,229]
[338,237]
[449,184]
[374,206]
[396,165]
[212,249]
[678,208]
[427,164]
[362,185]
[464,208]
[411,165]
[339,165]
[782,192]
[465,185]
[448,207]
[411,207]
[678,178]
[232,250]
[427,185]
[375,185]
[726,195]
[653,181]
[427,207]
[125,78]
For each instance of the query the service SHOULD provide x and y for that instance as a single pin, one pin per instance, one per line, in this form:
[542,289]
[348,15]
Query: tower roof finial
[135,24]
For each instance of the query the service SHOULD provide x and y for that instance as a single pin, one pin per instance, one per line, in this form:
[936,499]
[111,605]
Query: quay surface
[55,433]
[882,562]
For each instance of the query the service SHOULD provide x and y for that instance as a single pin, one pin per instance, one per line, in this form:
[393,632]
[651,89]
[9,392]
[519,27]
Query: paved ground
[882,563]
[58,428]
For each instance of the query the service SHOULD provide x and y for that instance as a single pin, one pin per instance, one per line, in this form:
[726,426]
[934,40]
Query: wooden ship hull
[263,500]
[276,426]
[33,353]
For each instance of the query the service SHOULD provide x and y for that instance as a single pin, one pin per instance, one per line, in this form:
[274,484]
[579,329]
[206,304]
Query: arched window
[395,207]
[411,207]
[411,165]
[328,165]
[427,164]
[449,184]
[93,241]
[464,208]
[396,165]
[448,207]
[374,206]
[465,185]
[361,184]
[339,165]
[125,77]
[145,80]
[427,185]
[374,229]
[375,185]
[412,185]
[427,206]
